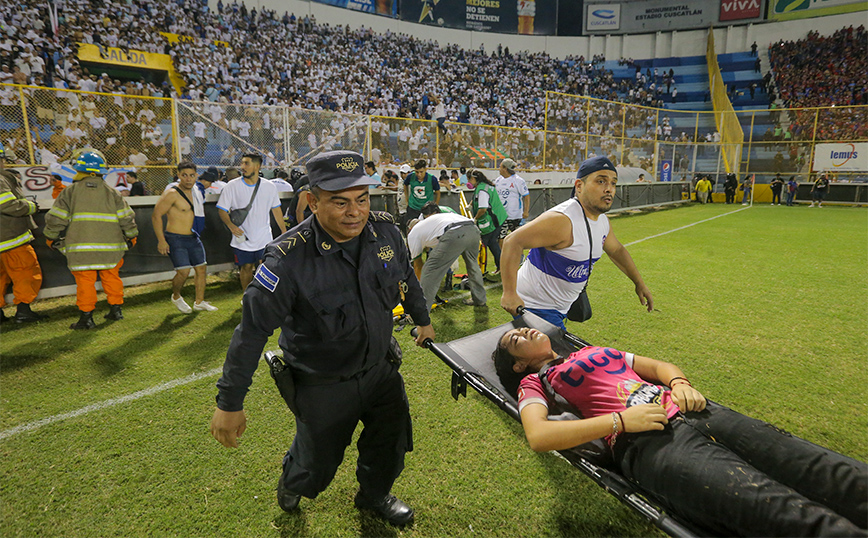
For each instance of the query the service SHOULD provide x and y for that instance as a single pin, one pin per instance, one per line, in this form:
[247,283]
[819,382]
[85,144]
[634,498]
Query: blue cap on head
[90,161]
[595,164]
[338,170]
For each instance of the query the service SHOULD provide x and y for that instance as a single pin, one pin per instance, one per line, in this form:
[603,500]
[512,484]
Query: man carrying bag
[564,244]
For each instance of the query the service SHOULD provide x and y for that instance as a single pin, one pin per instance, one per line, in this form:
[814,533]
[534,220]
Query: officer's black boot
[287,500]
[85,321]
[114,313]
[25,315]
[389,507]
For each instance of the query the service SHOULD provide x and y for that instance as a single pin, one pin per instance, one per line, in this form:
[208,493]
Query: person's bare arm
[224,216]
[549,230]
[544,435]
[621,258]
[525,206]
[683,394]
[278,217]
[161,208]
[302,205]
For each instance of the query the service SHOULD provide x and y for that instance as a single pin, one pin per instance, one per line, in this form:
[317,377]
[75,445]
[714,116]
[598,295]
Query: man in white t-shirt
[200,139]
[251,236]
[448,235]
[514,195]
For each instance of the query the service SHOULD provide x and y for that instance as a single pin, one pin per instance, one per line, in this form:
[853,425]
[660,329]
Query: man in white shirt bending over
[448,235]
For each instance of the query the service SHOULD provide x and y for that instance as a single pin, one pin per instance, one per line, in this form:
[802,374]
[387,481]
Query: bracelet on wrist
[683,381]
[615,428]
[623,427]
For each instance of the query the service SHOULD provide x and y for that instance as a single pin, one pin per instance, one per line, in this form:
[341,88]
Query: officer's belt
[306,379]
[456,225]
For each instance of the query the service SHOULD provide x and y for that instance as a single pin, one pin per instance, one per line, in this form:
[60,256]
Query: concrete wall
[638,46]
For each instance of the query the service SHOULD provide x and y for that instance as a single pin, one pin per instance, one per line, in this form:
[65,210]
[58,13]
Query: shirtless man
[179,241]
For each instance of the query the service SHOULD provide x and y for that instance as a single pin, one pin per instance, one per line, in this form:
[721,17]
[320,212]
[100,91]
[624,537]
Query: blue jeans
[491,240]
[732,473]
[790,197]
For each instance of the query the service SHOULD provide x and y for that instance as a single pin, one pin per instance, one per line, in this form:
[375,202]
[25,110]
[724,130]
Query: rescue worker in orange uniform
[92,225]
[18,263]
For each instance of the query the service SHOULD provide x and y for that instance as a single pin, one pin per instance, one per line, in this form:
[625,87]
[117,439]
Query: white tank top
[553,279]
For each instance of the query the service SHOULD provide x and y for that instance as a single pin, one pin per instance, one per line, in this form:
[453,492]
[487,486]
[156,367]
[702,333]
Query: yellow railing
[44,125]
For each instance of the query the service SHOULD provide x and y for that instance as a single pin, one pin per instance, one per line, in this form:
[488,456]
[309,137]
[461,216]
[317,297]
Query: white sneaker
[204,306]
[812,205]
[182,305]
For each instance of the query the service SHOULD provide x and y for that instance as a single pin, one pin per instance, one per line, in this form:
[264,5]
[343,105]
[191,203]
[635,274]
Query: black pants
[741,476]
[730,195]
[328,416]
[776,195]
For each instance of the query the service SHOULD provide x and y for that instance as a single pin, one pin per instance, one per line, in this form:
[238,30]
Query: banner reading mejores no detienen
[661,15]
[527,17]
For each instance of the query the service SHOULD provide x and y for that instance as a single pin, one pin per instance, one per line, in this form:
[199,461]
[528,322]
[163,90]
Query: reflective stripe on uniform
[96,267]
[59,213]
[6,197]
[91,247]
[22,239]
[124,212]
[103,217]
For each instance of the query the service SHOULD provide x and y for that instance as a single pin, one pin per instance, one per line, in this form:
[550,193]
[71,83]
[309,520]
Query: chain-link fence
[151,135]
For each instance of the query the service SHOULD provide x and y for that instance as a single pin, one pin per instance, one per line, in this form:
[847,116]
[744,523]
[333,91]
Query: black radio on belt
[282,375]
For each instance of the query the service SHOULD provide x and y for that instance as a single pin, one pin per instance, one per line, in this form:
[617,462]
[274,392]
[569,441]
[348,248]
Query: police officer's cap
[338,170]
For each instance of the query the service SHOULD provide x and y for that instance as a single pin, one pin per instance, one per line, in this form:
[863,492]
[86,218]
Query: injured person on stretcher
[710,465]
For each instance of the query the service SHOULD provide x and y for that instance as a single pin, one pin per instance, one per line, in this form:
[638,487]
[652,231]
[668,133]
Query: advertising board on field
[665,15]
[841,157]
[38,181]
[527,17]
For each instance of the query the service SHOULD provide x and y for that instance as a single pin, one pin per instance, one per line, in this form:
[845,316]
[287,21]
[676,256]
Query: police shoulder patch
[266,278]
[382,216]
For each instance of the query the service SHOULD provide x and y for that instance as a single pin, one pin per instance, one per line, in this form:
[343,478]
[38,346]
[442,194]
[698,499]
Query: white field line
[30,426]
[684,227]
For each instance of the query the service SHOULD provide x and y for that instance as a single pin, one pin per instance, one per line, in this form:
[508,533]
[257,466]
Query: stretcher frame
[479,374]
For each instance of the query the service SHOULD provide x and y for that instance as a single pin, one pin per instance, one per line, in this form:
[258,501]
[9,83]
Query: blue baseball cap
[595,164]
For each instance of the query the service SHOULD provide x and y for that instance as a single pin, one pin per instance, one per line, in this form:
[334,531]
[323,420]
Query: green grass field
[765,309]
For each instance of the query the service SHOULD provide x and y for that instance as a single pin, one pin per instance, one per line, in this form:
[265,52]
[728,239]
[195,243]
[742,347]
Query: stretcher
[471,364]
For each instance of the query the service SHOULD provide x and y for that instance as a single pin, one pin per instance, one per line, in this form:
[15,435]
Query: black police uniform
[335,315]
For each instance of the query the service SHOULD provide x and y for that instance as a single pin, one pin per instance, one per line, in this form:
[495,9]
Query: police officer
[330,284]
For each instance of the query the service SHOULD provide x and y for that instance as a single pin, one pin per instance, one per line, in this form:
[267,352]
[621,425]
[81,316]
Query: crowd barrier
[143,263]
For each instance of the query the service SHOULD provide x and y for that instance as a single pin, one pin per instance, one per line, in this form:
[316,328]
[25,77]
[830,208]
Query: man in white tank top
[560,259]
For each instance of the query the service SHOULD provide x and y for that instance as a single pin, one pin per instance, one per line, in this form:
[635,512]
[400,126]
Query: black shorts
[510,225]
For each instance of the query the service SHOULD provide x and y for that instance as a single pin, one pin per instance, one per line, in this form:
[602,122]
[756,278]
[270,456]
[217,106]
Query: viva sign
[734,10]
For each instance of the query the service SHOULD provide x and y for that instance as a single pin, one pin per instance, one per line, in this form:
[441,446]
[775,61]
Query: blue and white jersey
[553,279]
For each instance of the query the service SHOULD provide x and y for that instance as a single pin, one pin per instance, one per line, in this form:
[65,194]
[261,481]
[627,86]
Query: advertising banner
[738,10]
[389,8]
[782,10]
[528,17]
[665,15]
[665,170]
[38,181]
[841,157]
[603,17]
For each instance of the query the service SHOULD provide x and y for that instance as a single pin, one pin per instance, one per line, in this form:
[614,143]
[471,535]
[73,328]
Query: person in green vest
[420,187]
[488,212]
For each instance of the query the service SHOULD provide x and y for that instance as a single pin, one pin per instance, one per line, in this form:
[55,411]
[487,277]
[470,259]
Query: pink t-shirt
[597,381]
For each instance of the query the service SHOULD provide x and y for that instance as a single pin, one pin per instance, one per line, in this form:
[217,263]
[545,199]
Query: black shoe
[285,499]
[3,318]
[390,508]
[25,315]
[85,321]
[114,313]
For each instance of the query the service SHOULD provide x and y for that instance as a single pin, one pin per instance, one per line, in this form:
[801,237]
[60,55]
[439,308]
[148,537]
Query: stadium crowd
[820,71]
